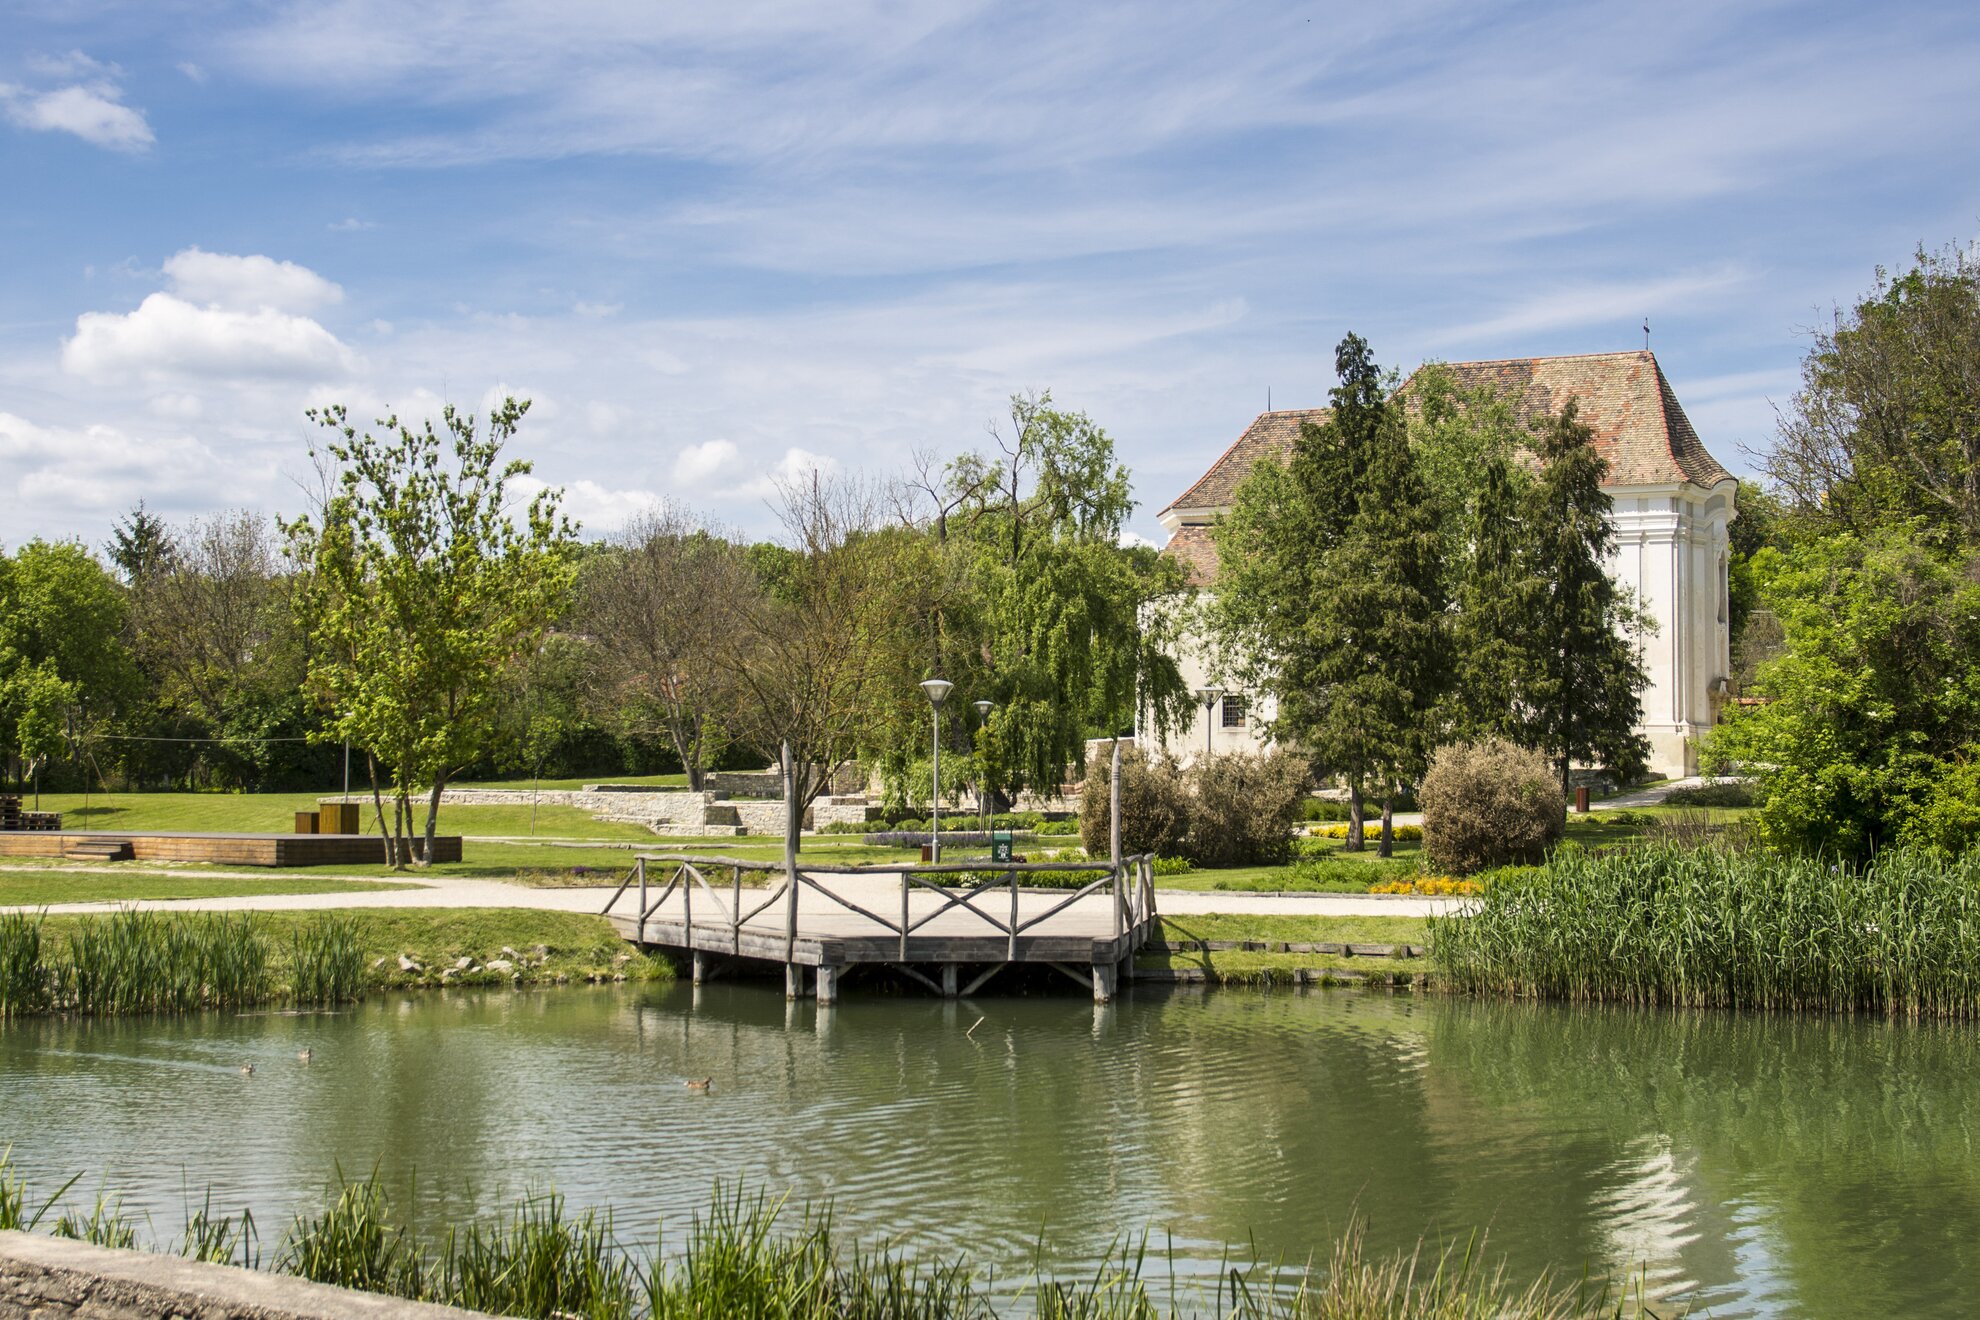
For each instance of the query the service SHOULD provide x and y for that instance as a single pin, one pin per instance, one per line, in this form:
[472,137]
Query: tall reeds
[149,962]
[1709,927]
[746,1259]
[326,961]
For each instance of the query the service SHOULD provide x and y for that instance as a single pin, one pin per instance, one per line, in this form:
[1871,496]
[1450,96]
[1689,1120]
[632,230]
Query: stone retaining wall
[44,1278]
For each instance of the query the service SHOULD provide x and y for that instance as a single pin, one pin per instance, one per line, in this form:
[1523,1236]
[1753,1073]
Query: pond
[1755,1166]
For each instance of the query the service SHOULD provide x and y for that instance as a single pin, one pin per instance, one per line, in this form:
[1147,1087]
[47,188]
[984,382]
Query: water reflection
[1758,1166]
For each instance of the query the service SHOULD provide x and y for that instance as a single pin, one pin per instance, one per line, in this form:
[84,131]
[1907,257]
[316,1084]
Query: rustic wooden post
[1010,950]
[904,913]
[1114,810]
[639,864]
[735,911]
[828,984]
[792,988]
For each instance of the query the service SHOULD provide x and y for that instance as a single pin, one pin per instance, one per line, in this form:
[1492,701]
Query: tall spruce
[1585,680]
[1330,593]
[1495,596]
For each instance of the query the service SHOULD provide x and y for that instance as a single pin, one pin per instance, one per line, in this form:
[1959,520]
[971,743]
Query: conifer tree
[1330,594]
[1585,679]
[1493,639]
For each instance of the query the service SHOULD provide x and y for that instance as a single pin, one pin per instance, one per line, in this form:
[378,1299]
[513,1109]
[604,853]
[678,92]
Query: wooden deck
[225,849]
[950,927]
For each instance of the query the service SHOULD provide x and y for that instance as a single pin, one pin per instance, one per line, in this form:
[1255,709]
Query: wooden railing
[1130,882]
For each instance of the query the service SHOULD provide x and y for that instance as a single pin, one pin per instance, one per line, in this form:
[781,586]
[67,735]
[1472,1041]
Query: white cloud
[797,466]
[178,406]
[351,224]
[94,112]
[1622,304]
[599,510]
[168,336]
[248,283]
[699,465]
[192,71]
[87,472]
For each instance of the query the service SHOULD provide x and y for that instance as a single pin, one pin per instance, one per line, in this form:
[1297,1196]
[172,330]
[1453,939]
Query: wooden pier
[952,927]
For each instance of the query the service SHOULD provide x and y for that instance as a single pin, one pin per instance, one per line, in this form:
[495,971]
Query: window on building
[1234,712]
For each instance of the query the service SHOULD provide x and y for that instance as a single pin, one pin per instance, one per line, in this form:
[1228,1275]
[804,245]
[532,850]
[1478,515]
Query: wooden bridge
[935,923]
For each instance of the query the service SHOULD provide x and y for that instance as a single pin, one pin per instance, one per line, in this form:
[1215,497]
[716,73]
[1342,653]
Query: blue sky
[718,242]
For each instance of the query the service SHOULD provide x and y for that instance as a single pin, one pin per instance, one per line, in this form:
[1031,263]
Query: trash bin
[1000,846]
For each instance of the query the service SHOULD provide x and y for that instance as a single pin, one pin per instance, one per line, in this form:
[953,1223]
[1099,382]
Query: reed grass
[744,1259]
[147,962]
[106,1225]
[24,987]
[326,961]
[1711,927]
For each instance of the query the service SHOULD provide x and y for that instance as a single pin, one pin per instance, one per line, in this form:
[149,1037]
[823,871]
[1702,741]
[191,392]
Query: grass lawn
[264,813]
[514,785]
[576,947]
[1237,965]
[51,885]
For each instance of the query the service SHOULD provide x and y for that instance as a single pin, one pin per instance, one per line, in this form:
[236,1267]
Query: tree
[652,604]
[1496,595]
[1872,722]
[63,664]
[1584,686]
[808,651]
[1021,592]
[139,545]
[1332,595]
[422,587]
[1886,426]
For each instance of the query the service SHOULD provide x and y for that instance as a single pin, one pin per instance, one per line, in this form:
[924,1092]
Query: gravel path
[458,892]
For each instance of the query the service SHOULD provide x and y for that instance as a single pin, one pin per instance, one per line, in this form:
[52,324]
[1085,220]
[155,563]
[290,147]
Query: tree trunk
[1387,848]
[378,805]
[433,817]
[1357,837]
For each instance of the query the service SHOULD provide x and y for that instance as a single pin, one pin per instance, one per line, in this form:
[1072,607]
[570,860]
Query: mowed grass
[1239,965]
[45,887]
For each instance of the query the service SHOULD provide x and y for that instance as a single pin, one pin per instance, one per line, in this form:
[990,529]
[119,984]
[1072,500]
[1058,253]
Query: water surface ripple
[1755,1166]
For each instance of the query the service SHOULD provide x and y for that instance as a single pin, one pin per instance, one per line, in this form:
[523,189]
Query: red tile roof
[1640,428]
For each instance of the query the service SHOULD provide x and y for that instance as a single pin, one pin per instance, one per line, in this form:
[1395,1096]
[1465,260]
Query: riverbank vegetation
[1711,927]
[756,1256]
[145,962]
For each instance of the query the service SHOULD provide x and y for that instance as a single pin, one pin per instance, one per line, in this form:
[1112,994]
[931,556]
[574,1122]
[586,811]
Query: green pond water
[1748,1165]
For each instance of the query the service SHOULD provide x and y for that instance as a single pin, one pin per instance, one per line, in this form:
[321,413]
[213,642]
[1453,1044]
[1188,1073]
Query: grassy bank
[1708,927]
[751,1256]
[50,885]
[1241,966]
[133,962]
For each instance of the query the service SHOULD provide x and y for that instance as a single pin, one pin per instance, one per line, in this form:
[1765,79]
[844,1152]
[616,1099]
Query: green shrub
[1487,804]
[1172,866]
[24,979]
[1057,828]
[1241,808]
[1714,795]
[1154,810]
[1323,809]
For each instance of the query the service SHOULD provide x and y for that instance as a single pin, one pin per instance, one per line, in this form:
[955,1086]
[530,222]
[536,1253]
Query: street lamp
[1209,696]
[983,709]
[938,690]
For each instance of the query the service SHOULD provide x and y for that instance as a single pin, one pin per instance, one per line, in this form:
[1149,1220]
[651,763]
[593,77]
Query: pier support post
[1104,975]
[700,962]
[949,975]
[828,985]
[793,980]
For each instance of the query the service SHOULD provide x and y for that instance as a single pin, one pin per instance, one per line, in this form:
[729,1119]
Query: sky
[719,243]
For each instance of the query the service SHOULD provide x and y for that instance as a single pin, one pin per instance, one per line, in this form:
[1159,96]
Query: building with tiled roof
[1673,502]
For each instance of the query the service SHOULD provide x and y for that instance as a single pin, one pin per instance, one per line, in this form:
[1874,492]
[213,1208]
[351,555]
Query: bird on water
[702,1084]
[305,1055]
[247,1069]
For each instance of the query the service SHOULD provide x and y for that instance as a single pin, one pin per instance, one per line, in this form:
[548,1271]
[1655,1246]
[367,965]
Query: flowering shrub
[1442,886]
[1374,830]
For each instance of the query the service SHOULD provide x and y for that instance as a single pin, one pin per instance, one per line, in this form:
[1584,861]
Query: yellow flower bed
[1439,886]
[1373,829]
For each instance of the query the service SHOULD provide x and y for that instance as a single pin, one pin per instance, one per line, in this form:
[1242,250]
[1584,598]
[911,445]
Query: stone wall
[44,1278]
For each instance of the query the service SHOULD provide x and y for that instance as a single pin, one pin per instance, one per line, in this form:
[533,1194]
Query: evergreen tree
[139,545]
[1331,593]
[1495,597]
[1585,679]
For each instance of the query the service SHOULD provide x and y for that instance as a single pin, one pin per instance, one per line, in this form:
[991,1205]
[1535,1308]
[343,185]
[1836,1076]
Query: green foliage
[1332,594]
[1024,595]
[1708,927]
[353,1243]
[106,1225]
[1489,804]
[1241,808]
[326,961]
[63,666]
[1154,805]
[422,589]
[24,982]
[1875,700]
[1714,795]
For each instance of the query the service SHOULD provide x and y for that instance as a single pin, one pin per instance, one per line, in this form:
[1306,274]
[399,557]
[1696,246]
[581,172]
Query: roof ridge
[1541,357]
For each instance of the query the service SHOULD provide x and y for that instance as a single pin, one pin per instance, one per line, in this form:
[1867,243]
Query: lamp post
[937,690]
[983,709]
[1209,696]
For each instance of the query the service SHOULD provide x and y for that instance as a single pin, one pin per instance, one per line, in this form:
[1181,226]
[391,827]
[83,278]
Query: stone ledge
[45,1278]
